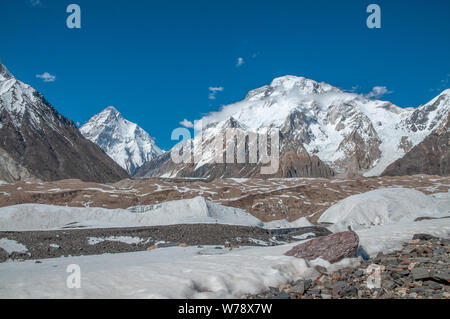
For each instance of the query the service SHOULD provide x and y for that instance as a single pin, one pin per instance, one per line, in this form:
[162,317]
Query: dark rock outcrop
[431,156]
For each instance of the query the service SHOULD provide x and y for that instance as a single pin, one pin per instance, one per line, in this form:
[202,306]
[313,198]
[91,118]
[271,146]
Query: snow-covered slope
[348,132]
[390,237]
[186,272]
[174,272]
[186,211]
[125,142]
[385,206]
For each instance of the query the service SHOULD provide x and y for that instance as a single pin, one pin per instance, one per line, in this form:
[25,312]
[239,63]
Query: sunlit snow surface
[178,272]
[12,246]
[385,206]
[186,211]
[162,273]
[202,272]
[325,109]
[125,142]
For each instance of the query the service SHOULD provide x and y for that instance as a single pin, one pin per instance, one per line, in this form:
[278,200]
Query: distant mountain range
[323,132]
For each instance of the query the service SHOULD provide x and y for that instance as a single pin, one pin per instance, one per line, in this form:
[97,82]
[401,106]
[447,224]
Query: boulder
[423,237]
[332,248]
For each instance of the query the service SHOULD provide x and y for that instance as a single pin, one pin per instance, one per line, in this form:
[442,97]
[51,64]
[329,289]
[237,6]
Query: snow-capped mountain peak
[39,142]
[125,142]
[18,100]
[290,85]
[4,73]
[301,85]
[348,132]
[338,126]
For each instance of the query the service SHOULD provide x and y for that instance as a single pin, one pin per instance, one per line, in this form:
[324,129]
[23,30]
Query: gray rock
[337,285]
[404,273]
[421,259]
[349,291]
[281,295]
[413,295]
[439,251]
[443,277]
[388,284]
[420,273]
[321,269]
[389,260]
[308,284]
[299,288]
[423,237]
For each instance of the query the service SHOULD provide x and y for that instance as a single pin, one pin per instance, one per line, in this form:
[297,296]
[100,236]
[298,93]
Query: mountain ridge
[39,143]
[349,133]
[125,142]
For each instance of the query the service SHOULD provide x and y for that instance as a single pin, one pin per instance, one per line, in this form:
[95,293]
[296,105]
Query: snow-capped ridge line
[124,141]
[335,125]
[29,124]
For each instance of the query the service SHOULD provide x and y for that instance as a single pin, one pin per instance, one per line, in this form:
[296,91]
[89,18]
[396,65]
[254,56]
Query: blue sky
[156,60]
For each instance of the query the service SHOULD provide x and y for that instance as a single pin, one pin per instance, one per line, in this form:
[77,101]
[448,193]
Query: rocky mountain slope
[323,131]
[431,156]
[36,142]
[125,142]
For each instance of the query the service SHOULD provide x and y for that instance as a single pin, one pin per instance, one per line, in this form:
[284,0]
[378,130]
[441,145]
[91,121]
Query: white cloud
[213,92]
[443,85]
[354,89]
[240,61]
[35,3]
[378,91]
[46,77]
[187,123]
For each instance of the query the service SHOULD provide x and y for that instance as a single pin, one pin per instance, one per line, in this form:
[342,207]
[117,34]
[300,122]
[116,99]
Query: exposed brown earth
[269,199]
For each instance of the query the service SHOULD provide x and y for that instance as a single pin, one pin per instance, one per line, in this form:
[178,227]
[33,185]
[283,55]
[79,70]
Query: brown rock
[332,248]
[152,247]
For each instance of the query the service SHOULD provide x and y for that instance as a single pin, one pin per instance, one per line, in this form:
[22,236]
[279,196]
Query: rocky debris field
[266,199]
[76,242]
[421,270]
